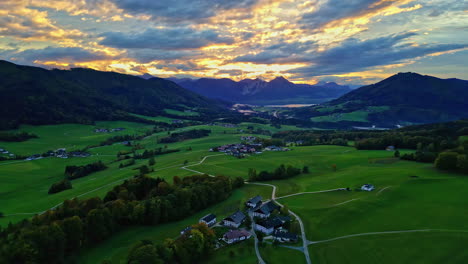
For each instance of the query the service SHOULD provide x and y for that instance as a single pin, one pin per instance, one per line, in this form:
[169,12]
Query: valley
[415,195]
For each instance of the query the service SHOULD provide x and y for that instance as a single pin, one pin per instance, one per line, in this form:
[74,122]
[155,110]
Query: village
[107,130]
[266,221]
[59,153]
[249,145]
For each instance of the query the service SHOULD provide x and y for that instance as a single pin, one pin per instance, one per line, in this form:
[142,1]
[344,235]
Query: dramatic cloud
[172,38]
[332,10]
[70,54]
[181,10]
[306,41]
[354,55]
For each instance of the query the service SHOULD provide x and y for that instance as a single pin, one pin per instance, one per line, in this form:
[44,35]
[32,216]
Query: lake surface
[291,105]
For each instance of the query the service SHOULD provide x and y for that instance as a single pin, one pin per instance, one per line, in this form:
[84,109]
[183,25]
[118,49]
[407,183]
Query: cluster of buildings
[269,223]
[239,150]
[59,153]
[177,121]
[275,148]
[228,125]
[267,220]
[248,139]
[106,130]
[6,152]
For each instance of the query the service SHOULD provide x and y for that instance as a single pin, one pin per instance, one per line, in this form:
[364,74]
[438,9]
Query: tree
[144,253]
[396,154]
[252,174]
[333,167]
[284,210]
[237,182]
[305,169]
[185,162]
[447,161]
[151,161]
[144,170]
[73,229]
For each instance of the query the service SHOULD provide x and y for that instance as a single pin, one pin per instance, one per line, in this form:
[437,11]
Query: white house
[265,210]
[368,187]
[254,201]
[209,219]
[268,226]
[234,220]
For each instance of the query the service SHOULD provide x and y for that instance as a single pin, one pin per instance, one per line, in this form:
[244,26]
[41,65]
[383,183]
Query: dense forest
[77,224]
[185,135]
[36,96]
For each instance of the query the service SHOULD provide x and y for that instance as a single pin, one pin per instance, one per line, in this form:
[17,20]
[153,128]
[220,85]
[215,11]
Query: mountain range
[32,95]
[402,99]
[257,91]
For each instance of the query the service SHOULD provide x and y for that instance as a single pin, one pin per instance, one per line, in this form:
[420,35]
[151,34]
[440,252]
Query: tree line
[55,235]
[185,135]
[16,137]
[282,172]
[193,246]
[74,172]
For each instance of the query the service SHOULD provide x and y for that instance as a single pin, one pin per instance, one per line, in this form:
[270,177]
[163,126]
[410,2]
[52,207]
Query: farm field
[22,198]
[414,196]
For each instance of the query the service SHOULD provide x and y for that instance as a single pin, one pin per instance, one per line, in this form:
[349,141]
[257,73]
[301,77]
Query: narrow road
[301,224]
[257,251]
[386,232]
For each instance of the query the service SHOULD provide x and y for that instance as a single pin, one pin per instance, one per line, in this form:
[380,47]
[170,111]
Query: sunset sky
[348,41]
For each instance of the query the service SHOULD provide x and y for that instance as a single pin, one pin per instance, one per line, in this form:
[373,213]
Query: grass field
[408,196]
[360,115]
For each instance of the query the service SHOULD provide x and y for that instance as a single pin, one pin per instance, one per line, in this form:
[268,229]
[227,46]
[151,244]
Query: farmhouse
[234,220]
[265,210]
[368,187]
[390,148]
[268,226]
[209,219]
[233,236]
[254,201]
[283,236]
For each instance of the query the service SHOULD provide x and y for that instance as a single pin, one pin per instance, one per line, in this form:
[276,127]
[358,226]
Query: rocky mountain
[257,91]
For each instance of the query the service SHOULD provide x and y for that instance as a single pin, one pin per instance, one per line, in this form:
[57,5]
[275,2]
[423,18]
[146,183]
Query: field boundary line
[387,232]
[294,194]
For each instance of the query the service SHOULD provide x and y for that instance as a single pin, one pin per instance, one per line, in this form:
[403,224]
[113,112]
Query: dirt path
[305,248]
[294,194]
[386,232]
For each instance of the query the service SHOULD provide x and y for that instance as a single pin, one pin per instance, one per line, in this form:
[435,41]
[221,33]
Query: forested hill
[32,95]
[404,98]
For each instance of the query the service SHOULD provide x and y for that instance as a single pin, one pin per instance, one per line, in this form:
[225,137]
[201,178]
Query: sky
[346,41]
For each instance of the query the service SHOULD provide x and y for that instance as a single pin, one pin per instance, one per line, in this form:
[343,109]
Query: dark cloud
[354,55]
[279,53]
[181,10]
[168,38]
[149,55]
[69,54]
[338,9]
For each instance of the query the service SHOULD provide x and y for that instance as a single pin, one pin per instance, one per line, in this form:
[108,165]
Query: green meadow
[408,195]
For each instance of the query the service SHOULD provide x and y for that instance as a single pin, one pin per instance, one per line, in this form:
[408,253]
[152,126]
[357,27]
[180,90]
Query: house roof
[271,223]
[267,208]
[236,217]
[231,234]
[208,218]
[255,199]
[288,235]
